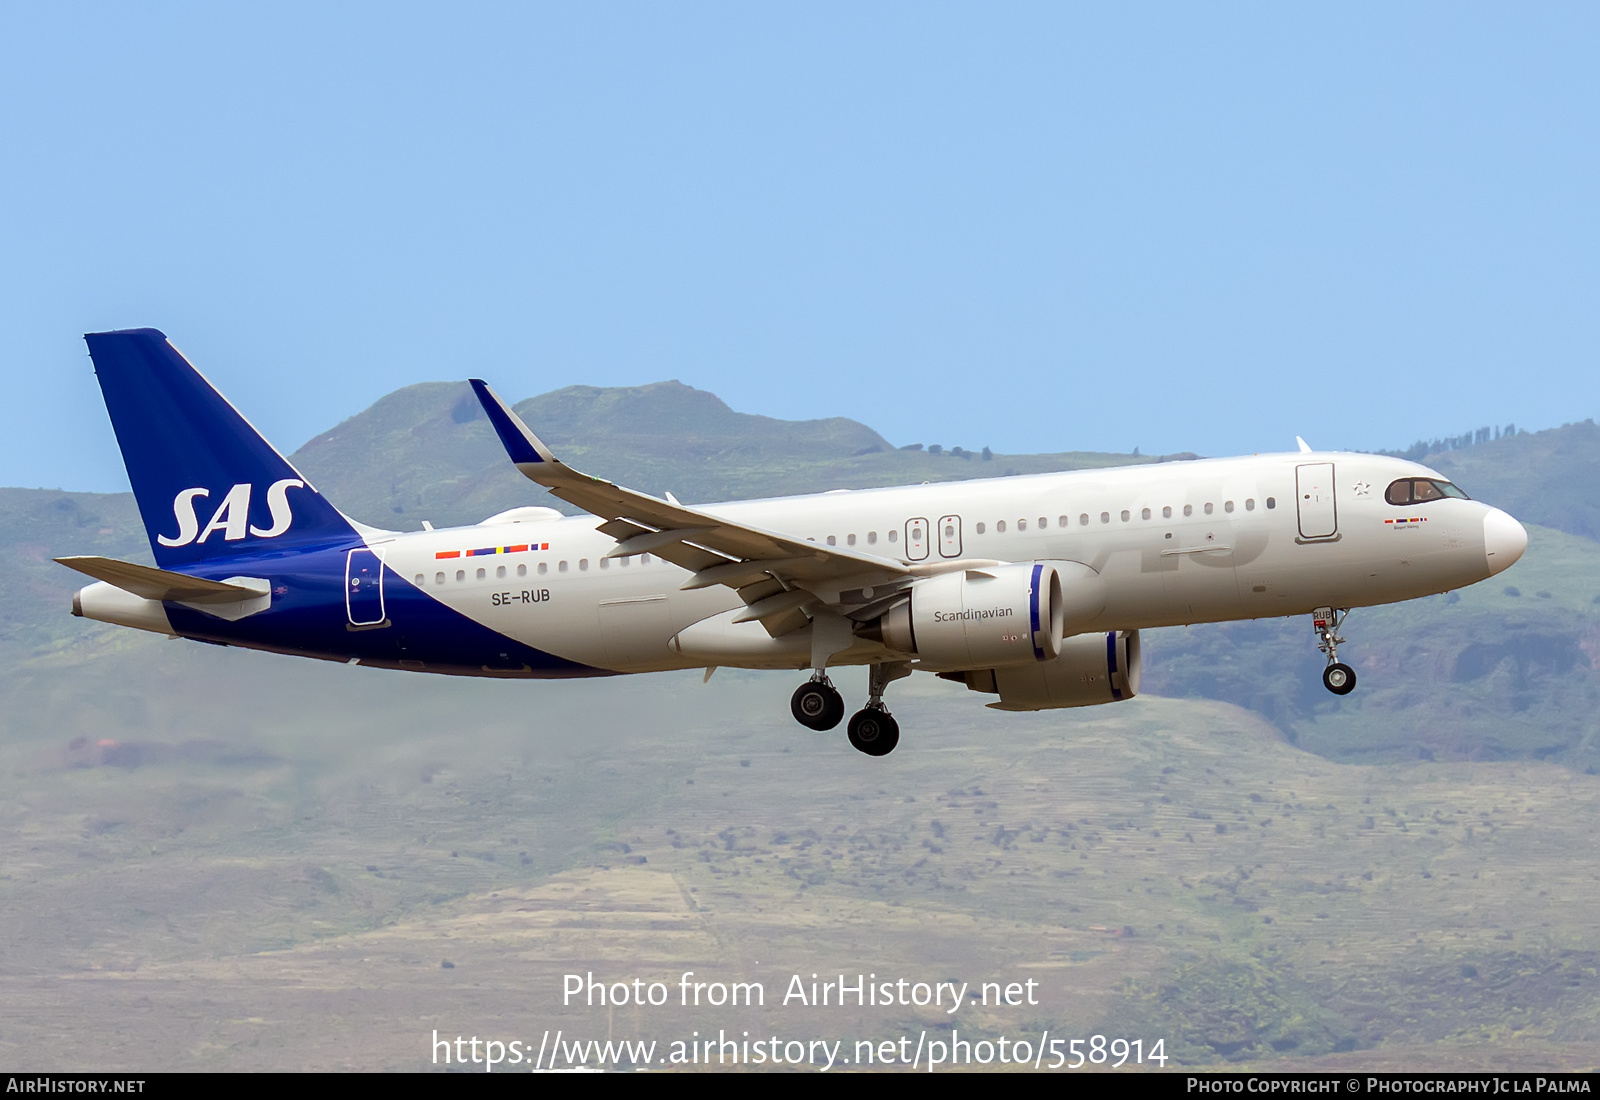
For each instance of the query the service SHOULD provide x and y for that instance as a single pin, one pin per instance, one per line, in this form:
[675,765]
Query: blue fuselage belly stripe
[309,617]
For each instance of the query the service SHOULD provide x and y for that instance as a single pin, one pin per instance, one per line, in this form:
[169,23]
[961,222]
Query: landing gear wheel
[874,731]
[816,705]
[1339,678]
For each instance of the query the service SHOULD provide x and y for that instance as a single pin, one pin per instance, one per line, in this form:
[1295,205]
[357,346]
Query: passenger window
[1061,522]
[1022,525]
[980,528]
[461,574]
[1250,504]
[1188,509]
[522,570]
[544,567]
[850,540]
[1044,522]
[1209,508]
[1105,517]
[1272,502]
[624,562]
[1228,507]
[421,577]
[832,541]
[872,538]
[482,573]
[644,559]
[561,568]
[1083,520]
[893,535]
[438,578]
[1145,514]
[583,565]
[1000,528]
[605,563]
[500,571]
[1124,515]
[1166,513]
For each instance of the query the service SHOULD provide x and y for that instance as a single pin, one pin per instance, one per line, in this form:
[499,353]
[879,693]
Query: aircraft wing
[776,575]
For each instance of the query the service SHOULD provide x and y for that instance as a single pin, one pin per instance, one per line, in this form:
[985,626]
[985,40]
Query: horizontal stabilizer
[160,584]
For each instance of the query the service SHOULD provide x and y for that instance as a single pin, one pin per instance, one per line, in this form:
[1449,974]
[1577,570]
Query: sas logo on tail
[232,516]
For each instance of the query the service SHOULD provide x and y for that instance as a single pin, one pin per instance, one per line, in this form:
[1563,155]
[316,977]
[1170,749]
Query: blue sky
[1032,227]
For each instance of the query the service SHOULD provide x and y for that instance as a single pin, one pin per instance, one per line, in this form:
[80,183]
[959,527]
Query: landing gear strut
[873,729]
[817,704]
[1338,677]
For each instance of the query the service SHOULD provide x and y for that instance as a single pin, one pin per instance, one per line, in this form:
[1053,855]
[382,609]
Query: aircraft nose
[1504,540]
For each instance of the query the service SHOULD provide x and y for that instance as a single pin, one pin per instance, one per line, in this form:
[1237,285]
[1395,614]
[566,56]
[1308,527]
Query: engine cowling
[994,616]
[1090,669]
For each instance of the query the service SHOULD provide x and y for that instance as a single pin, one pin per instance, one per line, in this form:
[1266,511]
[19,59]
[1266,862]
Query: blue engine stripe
[1033,613]
[1111,665]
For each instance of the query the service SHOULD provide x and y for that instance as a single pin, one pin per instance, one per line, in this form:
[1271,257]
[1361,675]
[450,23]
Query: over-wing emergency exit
[1031,589]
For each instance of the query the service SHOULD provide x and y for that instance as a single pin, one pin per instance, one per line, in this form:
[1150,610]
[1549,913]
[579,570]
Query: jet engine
[1090,669]
[992,616]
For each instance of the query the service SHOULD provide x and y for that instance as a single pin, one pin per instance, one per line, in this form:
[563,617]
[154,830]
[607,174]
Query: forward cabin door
[363,588]
[1319,518]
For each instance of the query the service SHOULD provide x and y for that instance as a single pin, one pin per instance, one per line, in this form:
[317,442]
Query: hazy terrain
[221,859]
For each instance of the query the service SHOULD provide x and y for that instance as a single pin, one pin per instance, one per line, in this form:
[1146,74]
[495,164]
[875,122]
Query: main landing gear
[1338,677]
[818,705]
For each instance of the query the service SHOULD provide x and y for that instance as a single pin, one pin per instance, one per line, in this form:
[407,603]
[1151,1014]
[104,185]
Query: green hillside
[1506,669]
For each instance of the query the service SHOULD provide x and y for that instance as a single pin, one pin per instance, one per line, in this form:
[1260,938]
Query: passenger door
[1319,516]
[363,588]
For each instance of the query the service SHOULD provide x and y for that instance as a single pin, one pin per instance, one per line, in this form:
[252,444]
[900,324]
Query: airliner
[1030,589]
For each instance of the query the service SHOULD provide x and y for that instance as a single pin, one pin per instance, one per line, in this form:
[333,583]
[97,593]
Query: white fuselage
[1175,543]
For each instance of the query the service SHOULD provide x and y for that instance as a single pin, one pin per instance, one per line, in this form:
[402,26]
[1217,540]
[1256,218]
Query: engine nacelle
[1091,669]
[994,616]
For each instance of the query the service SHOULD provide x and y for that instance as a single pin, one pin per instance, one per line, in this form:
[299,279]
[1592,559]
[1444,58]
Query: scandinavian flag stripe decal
[520,549]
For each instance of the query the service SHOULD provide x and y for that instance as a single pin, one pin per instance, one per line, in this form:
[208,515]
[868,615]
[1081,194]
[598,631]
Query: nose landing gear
[1338,677]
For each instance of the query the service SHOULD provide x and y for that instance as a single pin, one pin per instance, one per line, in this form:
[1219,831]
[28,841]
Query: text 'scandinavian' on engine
[1030,589]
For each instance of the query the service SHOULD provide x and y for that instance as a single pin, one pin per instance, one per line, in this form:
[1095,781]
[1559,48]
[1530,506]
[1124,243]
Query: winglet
[521,444]
[1305,448]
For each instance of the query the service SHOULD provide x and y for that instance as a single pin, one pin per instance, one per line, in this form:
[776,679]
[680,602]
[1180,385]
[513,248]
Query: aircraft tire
[817,705]
[1339,678]
[874,731]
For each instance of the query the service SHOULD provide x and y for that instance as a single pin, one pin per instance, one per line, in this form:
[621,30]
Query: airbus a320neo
[1030,589]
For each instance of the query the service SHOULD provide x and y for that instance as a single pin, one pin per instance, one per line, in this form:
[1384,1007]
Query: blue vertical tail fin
[208,486]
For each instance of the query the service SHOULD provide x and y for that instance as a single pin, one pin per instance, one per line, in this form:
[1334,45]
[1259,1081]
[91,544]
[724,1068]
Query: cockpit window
[1417,490]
